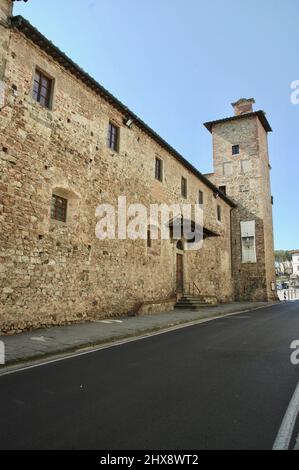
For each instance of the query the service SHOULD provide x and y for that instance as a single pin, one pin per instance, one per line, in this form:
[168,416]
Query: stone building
[66,146]
[295,262]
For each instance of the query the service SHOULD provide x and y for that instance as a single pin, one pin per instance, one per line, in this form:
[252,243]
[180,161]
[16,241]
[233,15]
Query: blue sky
[179,63]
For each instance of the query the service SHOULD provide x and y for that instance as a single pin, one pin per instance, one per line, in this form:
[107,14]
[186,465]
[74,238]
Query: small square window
[42,89]
[200,197]
[58,208]
[184,187]
[113,137]
[223,189]
[159,169]
[236,149]
[219,213]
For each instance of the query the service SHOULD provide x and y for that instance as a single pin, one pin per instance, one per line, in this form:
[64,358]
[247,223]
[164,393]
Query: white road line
[286,430]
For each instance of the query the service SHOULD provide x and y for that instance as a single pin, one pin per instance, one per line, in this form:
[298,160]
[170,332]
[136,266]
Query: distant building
[295,262]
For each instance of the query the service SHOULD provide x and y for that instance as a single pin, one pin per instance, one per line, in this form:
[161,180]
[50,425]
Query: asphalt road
[224,384]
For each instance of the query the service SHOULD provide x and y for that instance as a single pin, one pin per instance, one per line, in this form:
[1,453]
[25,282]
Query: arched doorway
[180,267]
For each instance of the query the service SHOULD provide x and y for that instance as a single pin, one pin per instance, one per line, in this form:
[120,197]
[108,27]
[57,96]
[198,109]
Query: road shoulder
[38,346]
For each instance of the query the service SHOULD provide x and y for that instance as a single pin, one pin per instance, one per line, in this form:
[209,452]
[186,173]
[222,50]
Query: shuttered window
[59,208]
[42,89]
[200,197]
[113,137]
[184,187]
[159,169]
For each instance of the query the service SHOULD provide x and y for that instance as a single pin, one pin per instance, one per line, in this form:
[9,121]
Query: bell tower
[242,171]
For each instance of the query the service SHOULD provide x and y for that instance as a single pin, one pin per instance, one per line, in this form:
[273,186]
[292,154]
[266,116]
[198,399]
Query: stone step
[193,299]
[190,302]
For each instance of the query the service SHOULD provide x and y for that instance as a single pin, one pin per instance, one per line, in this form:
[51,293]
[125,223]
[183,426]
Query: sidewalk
[41,344]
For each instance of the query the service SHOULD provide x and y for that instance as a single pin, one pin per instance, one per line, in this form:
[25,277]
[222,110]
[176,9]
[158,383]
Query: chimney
[243,106]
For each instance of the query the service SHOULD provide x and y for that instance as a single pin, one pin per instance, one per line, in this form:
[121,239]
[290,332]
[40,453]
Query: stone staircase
[191,302]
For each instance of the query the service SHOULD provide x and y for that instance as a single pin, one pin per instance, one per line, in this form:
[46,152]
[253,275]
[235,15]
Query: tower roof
[260,114]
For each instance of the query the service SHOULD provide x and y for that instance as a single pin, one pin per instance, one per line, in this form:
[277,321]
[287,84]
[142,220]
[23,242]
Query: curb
[88,348]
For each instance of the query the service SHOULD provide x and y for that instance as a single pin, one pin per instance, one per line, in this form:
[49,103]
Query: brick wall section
[53,273]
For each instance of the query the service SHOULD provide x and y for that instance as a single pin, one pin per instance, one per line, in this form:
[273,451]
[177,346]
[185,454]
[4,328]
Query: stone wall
[54,273]
[247,180]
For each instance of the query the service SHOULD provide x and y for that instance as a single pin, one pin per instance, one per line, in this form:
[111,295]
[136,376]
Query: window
[113,137]
[235,149]
[184,187]
[223,189]
[200,197]
[159,169]
[219,213]
[42,89]
[59,208]
[149,239]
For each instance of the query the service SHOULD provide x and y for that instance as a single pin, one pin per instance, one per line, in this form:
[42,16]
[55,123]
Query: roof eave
[260,114]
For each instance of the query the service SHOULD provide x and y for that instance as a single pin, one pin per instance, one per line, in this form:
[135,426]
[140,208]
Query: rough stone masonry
[66,146]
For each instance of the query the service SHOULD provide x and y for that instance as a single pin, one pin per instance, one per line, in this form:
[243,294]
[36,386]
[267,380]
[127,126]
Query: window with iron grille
[159,169]
[113,137]
[200,197]
[42,89]
[184,187]
[58,208]
[235,149]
